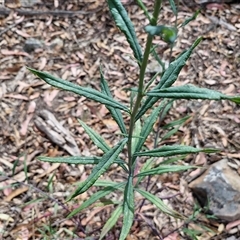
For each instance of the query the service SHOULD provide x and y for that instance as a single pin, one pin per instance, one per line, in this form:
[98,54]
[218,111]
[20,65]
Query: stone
[219,190]
[32,44]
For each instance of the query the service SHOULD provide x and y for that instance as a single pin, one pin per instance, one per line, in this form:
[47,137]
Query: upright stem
[140,93]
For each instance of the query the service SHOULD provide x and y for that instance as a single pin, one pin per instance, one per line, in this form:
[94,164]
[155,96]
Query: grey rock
[232,238]
[32,44]
[219,189]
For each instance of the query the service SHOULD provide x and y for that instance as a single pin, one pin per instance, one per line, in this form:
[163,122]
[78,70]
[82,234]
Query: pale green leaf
[128,209]
[191,92]
[96,196]
[116,113]
[158,203]
[164,169]
[111,221]
[106,161]
[172,150]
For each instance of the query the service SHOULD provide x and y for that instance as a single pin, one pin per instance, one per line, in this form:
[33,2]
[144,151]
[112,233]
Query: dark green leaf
[164,169]
[176,122]
[191,92]
[170,133]
[76,160]
[188,20]
[128,209]
[116,113]
[89,93]
[111,221]
[168,78]
[173,6]
[104,183]
[100,142]
[143,7]
[95,137]
[71,160]
[147,166]
[106,161]
[125,25]
[167,151]
[96,196]
[158,203]
[148,125]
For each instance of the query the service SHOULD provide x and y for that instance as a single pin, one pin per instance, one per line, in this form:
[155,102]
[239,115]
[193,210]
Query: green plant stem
[140,94]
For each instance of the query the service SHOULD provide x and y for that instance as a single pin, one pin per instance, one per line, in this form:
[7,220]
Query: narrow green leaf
[116,113]
[193,17]
[180,121]
[164,169]
[191,92]
[106,161]
[168,78]
[170,133]
[136,132]
[128,209]
[187,92]
[167,108]
[143,7]
[100,142]
[87,92]
[158,203]
[76,160]
[95,137]
[167,151]
[147,166]
[148,125]
[235,99]
[173,6]
[111,221]
[104,183]
[125,25]
[71,160]
[96,196]
[173,159]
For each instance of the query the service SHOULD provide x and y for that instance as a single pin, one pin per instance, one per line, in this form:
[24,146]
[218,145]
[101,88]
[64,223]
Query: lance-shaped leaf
[106,161]
[100,142]
[168,78]
[125,25]
[158,203]
[164,169]
[167,151]
[147,166]
[95,137]
[71,160]
[111,221]
[174,7]
[116,113]
[96,196]
[128,209]
[188,20]
[76,160]
[87,92]
[191,92]
[148,125]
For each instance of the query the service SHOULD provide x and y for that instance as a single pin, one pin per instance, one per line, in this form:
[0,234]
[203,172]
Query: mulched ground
[73,47]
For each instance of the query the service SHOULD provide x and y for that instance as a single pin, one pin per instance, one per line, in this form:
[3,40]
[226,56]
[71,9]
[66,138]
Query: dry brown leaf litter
[73,49]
